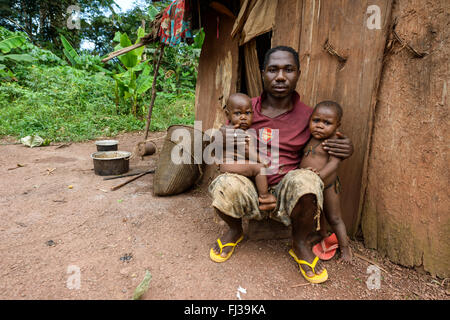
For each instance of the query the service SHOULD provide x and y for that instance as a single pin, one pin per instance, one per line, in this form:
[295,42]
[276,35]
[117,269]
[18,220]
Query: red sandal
[326,249]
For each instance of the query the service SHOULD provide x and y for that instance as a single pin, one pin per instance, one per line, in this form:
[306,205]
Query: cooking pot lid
[110,155]
[106,142]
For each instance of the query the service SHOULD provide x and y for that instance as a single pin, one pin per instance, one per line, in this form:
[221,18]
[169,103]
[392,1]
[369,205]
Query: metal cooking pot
[107,145]
[111,162]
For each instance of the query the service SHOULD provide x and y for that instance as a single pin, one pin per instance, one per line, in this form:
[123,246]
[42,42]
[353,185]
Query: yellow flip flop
[217,257]
[317,278]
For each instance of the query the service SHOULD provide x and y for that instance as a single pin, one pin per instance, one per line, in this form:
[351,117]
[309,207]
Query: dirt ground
[58,216]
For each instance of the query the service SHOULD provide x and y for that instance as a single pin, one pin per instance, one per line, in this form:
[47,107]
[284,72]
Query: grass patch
[66,104]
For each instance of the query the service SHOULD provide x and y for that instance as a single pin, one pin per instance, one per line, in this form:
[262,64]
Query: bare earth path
[113,237]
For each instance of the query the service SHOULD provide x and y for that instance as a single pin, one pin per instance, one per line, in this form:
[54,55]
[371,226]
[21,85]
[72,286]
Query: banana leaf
[140,34]
[70,52]
[18,57]
[10,43]
[144,83]
[129,59]
[133,58]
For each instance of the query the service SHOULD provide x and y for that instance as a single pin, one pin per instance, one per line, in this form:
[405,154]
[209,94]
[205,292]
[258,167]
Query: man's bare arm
[342,147]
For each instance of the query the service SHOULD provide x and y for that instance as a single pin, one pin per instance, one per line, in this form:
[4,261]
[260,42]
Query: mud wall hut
[406,206]
[394,185]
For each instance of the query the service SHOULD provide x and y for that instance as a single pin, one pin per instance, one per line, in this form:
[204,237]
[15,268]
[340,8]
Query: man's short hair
[281,48]
[331,104]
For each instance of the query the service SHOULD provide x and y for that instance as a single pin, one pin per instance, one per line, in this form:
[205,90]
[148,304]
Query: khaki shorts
[236,195]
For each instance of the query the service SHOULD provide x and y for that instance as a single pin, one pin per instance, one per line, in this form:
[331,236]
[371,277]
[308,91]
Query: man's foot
[346,255]
[315,237]
[231,236]
[303,252]
[267,202]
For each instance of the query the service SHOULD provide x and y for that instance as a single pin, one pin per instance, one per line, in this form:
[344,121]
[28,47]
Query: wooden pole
[152,102]
[123,51]
[154,26]
[144,56]
[132,179]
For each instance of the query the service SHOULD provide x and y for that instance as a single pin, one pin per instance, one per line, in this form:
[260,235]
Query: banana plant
[6,46]
[134,78]
[77,61]
[70,52]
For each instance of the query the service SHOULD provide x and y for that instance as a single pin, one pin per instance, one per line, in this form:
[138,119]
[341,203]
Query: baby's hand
[267,202]
[264,161]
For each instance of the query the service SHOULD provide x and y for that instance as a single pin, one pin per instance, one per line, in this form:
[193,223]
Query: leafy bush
[8,46]
[66,104]
[63,102]
[135,78]
[60,103]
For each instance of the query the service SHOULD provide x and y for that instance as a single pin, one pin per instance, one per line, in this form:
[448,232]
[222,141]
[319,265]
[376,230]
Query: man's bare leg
[315,237]
[303,222]
[232,235]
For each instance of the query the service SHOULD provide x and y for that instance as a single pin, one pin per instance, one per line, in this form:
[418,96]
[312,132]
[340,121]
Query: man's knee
[305,205]
[227,186]
[234,195]
[307,199]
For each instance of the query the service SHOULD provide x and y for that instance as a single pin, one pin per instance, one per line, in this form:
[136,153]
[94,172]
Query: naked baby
[240,114]
[324,123]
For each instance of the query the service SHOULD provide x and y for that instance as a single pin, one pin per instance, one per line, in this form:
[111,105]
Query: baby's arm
[331,167]
[253,155]
[252,152]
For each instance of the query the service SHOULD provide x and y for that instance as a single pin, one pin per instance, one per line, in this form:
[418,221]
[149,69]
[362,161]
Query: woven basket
[171,178]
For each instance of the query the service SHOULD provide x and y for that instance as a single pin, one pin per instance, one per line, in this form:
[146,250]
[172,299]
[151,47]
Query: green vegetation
[63,93]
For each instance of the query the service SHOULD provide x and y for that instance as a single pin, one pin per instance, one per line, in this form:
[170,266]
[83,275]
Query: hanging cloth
[255,18]
[175,23]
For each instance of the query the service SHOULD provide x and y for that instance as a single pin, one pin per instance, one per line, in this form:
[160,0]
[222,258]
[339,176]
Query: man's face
[281,74]
[323,123]
[240,112]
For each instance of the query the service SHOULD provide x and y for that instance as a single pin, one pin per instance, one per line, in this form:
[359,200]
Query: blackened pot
[108,163]
[107,145]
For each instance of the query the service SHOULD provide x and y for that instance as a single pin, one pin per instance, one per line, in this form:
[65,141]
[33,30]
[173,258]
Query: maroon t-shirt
[293,132]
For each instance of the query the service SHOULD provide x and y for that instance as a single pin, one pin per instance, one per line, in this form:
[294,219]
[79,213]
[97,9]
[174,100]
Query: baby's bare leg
[267,200]
[246,169]
[332,208]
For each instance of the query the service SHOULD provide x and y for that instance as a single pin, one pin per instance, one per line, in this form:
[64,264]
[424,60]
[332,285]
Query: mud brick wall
[406,209]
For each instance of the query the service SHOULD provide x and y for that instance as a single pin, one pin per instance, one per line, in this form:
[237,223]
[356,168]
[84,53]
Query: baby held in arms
[324,123]
[240,114]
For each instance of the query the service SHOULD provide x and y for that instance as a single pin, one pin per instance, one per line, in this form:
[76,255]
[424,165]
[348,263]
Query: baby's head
[325,119]
[239,110]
